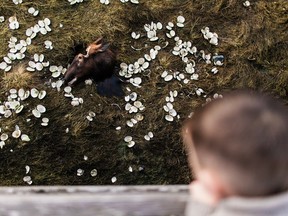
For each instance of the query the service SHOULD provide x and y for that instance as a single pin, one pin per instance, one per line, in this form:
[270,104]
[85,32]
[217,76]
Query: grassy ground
[254,41]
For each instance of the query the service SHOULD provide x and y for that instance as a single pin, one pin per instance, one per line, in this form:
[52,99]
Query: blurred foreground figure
[237,148]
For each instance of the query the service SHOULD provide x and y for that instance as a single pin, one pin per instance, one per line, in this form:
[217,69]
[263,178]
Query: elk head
[98,63]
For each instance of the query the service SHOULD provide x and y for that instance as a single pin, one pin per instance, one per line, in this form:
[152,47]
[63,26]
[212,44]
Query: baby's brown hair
[244,136]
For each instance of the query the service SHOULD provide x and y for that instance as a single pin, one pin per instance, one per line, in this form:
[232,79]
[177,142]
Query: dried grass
[253,41]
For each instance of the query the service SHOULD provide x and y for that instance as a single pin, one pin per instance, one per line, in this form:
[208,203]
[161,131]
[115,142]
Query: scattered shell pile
[27,179]
[188,53]
[185,50]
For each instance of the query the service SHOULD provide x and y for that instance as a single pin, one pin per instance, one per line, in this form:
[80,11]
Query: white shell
[169,118]
[16,134]
[19,109]
[89,118]
[45,120]
[91,114]
[146,137]
[150,134]
[67,89]
[128,138]
[93,172]
[42,94]
[34,92]
[168,78]
[137,104]
[131,144]
[25,138]
[36,113]
[164,74]
[214,41]
[114,179]
[129,123]
[80,172]
[137,80]
[27,169]
[39,66]
[4,137]
[41,108]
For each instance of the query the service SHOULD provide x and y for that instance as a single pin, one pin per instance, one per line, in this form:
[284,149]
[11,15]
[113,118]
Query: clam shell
[32,64]
[43,31]
[133,109]
[16,134]
[2,110]
[41,108]
[134,121]
[141,61]
[30,69]
[145,65]
[170,24]
[7,60]
[36,57]
[80,172]
[27,169]
[114,179]
[164,74]
[7,113]
[21,92]
[128,106]
[214,41]
[137,104]
[75,103]
[169,118]
[128,138]
[41,58]
[92,114]
[147,57]
[67,89]
[39,66]
[45,120]
[146,137]
[159,25]
[47,21]
[20,56]
[4,137]
[42,94]
[19,109]
[139,117]
[3,65]
[170,106]
[168,78]
[137,80]
[34,92]
[31,10]
[129,123]
[27,178]
[150,134]
[25,138]
[173,112]
[165,107]
[93,172]
[12,91]
[131,144]
[36,113]
[89,118]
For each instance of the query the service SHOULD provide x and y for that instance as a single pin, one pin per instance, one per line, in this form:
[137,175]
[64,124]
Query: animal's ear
[98,41]
[104,47]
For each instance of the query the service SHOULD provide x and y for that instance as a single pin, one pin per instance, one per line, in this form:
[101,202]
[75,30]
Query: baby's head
[240,142]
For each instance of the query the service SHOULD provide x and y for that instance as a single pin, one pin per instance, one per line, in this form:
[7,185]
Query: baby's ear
[207,188]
